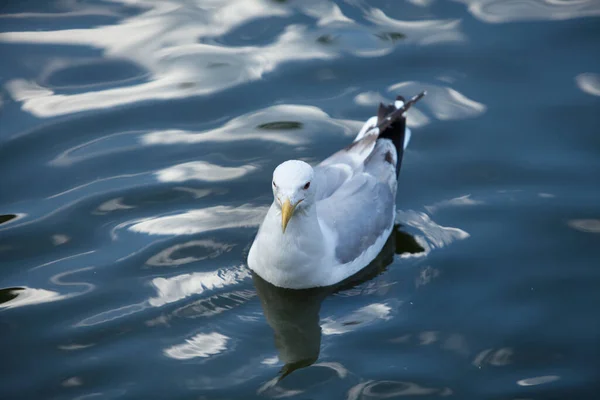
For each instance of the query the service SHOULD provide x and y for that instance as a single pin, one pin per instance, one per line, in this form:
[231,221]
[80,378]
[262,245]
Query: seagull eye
[307,185]
[274,185]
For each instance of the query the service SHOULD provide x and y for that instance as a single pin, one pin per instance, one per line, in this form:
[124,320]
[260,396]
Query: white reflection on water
[164,40]
[246,127]
[325,11]
[173,42]
[24,91]
[63,259]
[202,171]
[378,38]
[457,343]
[585,225]
[498,11]
[204,220]
[461,201]
[170,290]
[72,8]
[370,99]
[207,249]
[26,296]
[546,195]
[75,346]
[9,219]
[392,389]
[72,382]
[173,289]
[113,314]
[208,307]
[444,102]
[59,239]
[202,345]
[357,319]
[589,83]
[426,275]
[497,358]
[270,360]
[199,193]
[428,337]
[96,148]
[538,380]
[435,236]
[423,32]
[112,205]
[338,368]
[421,3]
[274,389]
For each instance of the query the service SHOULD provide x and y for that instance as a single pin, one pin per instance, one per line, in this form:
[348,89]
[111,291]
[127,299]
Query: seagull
[329,221]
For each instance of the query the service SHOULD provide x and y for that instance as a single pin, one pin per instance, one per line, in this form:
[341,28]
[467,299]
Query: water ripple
[203,220]
[435,236]
[423,31]
[203,249]
[202,345]
[173,289]
[445,103]
[26,296]
[538,380]
[589,83]
[393,389]
[161,48]
[253,126]
[136,135]
[585,225]
[362,317]
[202,171]
[500,11]
[163,41]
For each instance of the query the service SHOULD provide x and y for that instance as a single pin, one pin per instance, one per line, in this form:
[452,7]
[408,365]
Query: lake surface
[137,143]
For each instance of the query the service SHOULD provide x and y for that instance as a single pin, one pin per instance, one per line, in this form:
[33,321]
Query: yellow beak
[287,209]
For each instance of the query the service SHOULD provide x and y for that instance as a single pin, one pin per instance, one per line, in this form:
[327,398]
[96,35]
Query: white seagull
[330,221]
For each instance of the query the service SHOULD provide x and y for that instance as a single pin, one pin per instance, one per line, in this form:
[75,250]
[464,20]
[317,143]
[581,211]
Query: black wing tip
[408,104]
[393,125]
[381,113]
[384,112]
[388,114]
[413,99]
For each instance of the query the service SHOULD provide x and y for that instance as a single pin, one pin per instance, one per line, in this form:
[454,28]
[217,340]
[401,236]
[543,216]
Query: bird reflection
[294,314]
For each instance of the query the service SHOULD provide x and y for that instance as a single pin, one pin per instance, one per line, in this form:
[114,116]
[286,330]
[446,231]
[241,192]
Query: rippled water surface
[137,142]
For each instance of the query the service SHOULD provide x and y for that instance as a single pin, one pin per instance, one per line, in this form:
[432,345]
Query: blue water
[137,143]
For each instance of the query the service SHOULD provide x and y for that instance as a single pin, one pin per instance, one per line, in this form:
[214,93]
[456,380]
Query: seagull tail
[391,121]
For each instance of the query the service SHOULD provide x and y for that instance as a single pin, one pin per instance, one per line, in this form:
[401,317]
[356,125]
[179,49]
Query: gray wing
[360,203]
[336,170]
[356,193]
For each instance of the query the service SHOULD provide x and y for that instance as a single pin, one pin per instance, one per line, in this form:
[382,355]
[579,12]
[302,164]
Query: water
[137,142]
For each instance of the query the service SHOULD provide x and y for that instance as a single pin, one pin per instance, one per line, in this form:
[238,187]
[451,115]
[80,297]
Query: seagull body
[330,221]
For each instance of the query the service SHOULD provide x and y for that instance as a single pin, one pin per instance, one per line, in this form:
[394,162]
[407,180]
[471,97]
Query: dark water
[137,141]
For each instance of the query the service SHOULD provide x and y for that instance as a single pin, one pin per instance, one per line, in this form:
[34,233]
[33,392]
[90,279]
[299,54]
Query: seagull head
[293,189]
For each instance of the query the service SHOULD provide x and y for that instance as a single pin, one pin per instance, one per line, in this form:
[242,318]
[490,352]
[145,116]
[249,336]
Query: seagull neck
[303,231]
[304,221]
[294,258]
